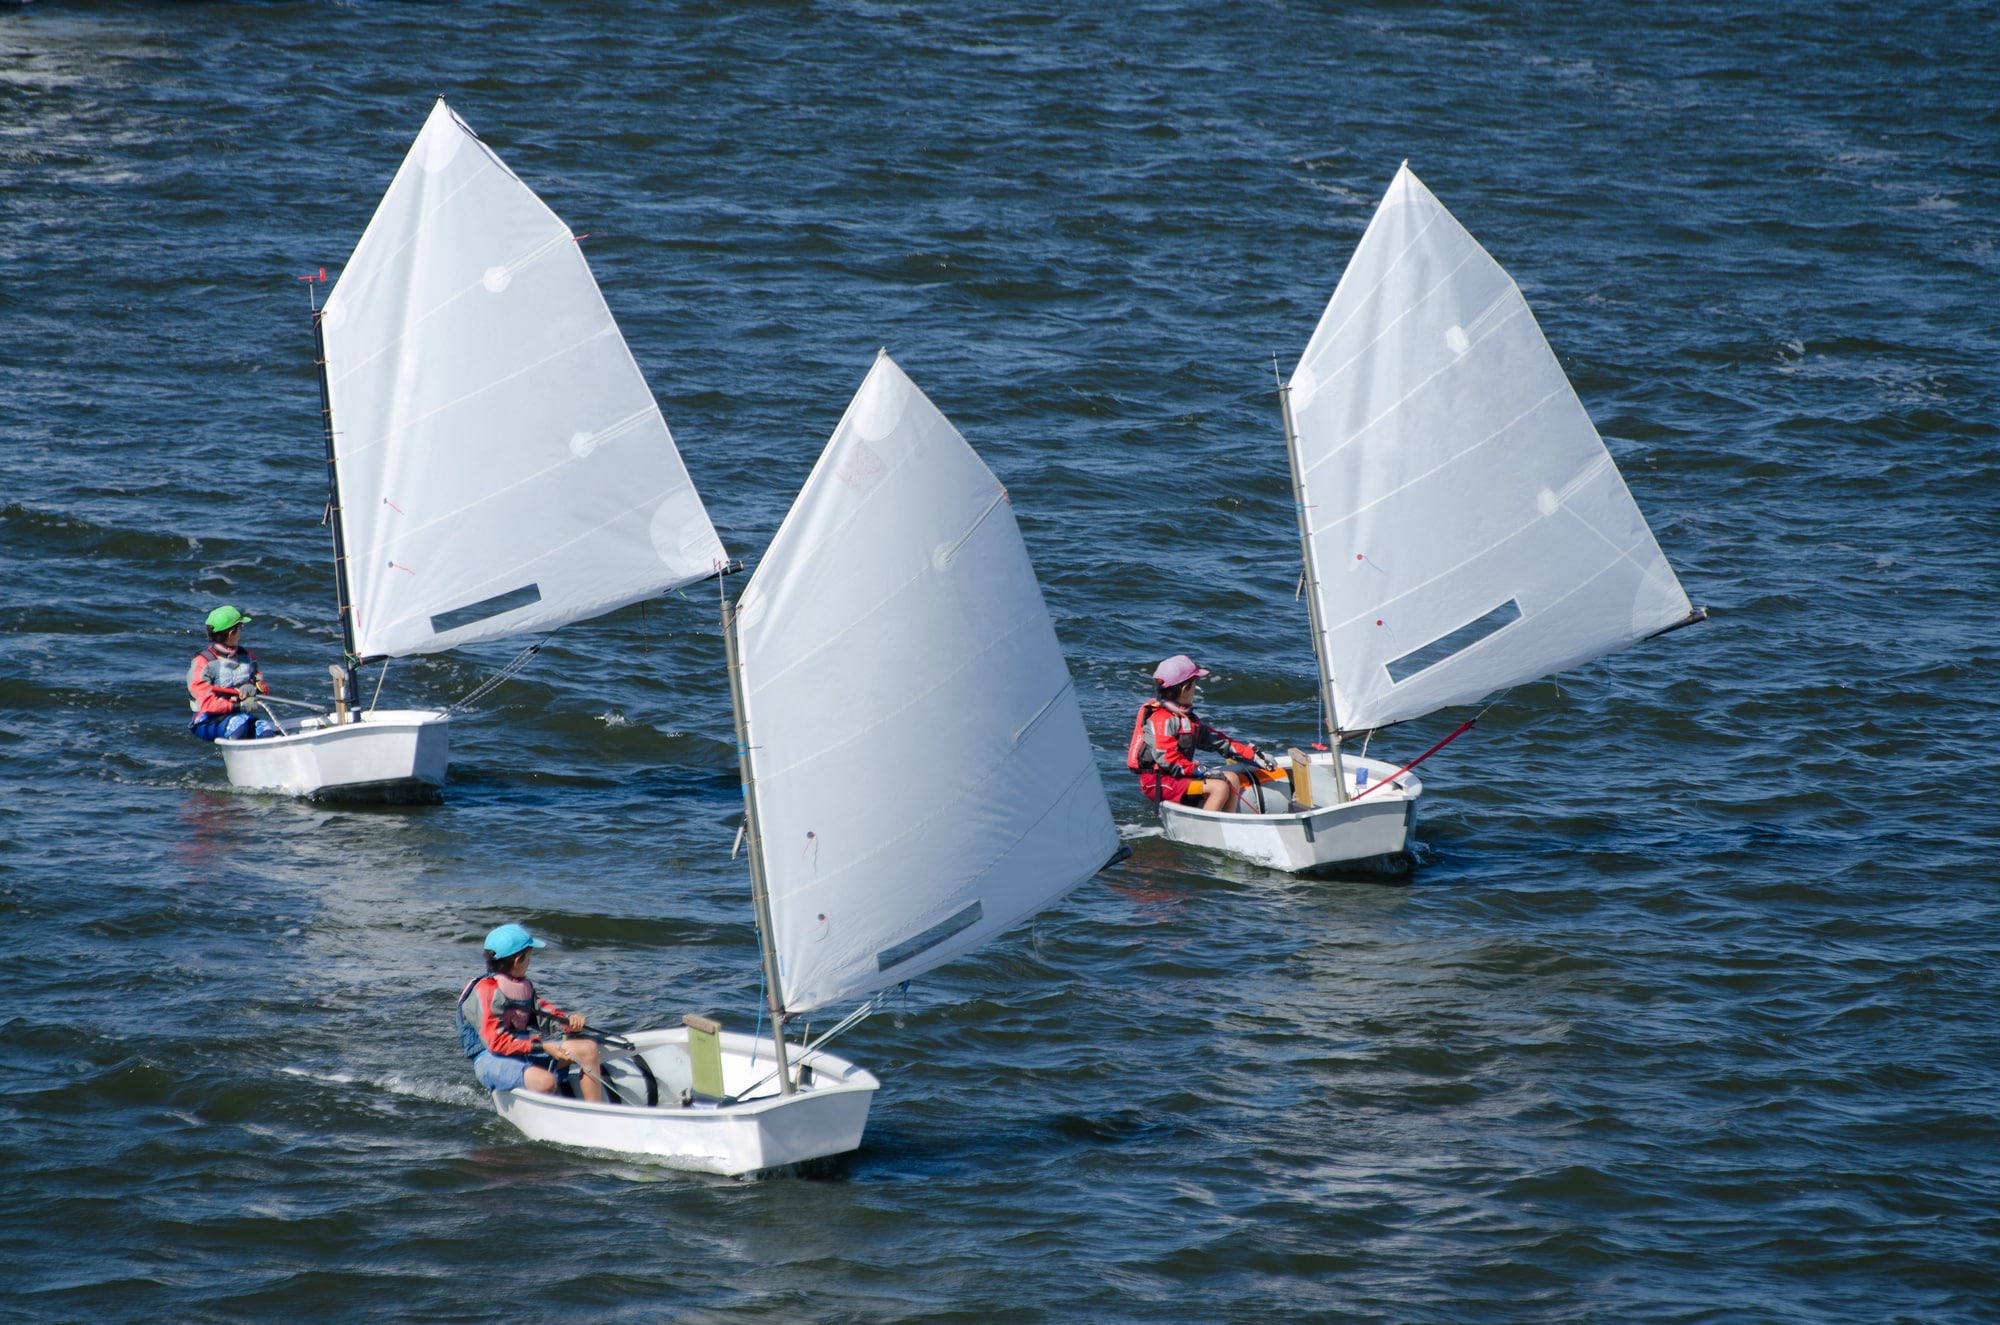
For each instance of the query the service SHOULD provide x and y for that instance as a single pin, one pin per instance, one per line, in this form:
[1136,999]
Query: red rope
[1463,728]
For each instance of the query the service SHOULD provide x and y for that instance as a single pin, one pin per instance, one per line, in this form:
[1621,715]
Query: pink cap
[1177,670]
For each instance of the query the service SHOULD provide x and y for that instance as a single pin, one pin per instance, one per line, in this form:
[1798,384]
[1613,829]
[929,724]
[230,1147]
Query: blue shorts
[499,1073]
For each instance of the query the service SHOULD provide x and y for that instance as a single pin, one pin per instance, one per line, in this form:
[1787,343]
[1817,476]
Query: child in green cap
[224,683]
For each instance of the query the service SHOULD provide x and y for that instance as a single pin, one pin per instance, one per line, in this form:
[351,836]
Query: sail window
[486,608]
[930,938]
[1430,655]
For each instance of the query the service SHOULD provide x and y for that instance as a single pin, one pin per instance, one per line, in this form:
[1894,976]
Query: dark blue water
[1687,1012]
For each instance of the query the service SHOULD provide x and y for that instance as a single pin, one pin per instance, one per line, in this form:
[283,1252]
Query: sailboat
[1462,525]
[496,464]
[895,618]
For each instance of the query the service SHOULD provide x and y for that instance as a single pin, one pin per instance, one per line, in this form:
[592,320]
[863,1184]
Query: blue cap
[507,940]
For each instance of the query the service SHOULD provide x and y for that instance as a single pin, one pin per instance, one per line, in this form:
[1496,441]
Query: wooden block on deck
[705,1054]
[1302,790]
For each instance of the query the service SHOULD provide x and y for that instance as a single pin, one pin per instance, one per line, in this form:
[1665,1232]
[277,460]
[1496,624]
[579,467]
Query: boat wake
[468,1095]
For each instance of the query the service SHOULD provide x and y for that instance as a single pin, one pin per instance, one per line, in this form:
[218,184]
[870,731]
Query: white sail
[923,780]
[1467,527]
[502,465]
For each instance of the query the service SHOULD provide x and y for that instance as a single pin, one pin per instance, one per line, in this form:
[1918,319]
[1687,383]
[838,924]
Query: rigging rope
[1463,728]
[873,1005]
[486,687]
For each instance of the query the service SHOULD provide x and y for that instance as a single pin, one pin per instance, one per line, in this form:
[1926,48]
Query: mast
[760,895]
[333,512]
[1312,582]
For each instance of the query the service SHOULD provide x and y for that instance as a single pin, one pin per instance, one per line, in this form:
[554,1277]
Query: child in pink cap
[1167,734]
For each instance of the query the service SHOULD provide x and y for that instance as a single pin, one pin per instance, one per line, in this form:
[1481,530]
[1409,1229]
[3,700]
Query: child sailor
[498,1013]
[224,683]
[1167,734]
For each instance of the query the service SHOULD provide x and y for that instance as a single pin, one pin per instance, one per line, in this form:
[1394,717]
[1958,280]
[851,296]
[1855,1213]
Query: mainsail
[502,465]
[1466,526]
[923,780]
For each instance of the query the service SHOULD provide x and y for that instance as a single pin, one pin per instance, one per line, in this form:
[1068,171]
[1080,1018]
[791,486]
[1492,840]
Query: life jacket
[1165,737]
[212,667]
[1155,732]
[514,1007]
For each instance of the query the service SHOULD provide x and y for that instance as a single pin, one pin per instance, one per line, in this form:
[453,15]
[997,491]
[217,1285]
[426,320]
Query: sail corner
[1695,617]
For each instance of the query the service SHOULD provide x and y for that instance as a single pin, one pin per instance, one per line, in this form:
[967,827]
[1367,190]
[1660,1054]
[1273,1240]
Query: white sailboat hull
[824,1117]
[386,752]
[1378,825]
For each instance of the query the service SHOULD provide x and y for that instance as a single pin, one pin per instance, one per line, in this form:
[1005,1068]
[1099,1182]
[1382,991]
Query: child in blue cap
[498,1016]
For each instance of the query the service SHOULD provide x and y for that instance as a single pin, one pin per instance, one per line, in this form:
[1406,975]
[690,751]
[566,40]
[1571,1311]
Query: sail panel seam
[1388,270]
[1390,409]
[1442,465]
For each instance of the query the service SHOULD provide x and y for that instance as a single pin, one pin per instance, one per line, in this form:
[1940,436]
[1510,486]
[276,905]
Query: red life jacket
[1161,740]
[1164,739]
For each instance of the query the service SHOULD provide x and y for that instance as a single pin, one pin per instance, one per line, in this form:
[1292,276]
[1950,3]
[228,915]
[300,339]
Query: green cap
[222,618]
